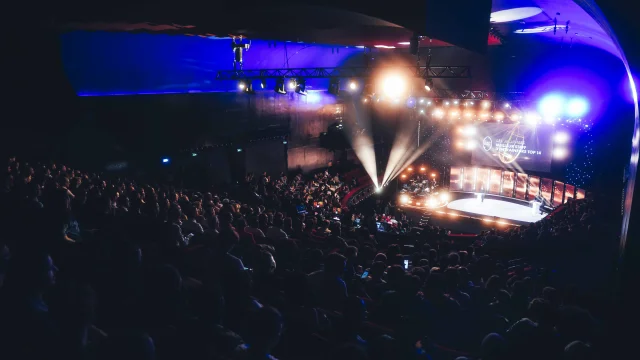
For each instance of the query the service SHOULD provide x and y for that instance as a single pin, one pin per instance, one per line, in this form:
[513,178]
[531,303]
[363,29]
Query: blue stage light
[165,160]
[551,106]
[577,107]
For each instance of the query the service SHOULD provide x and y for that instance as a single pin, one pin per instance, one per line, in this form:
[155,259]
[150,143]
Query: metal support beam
[437,93]
[434,72]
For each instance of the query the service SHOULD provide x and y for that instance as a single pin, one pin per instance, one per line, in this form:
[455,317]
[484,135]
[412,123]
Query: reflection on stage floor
[497,208]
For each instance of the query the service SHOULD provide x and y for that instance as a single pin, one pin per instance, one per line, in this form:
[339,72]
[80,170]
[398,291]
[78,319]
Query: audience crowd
[99,268]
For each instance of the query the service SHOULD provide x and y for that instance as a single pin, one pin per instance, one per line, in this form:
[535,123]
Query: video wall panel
[482,179]
[546,186]
[521,186]
[558,192]
[580,194]
[534,187]
[495,180]
[469,179]
[508,181]
[568,192]
[455,179]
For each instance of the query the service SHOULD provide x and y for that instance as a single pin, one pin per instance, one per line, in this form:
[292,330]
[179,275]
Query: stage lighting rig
[263,83]
[334,86]
[428,84]
[301,87]
[280,89]
[238,47]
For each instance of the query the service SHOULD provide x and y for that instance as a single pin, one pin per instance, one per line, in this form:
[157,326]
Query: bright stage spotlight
[292,85]
[403,176]
[394,86]
[242,85]
[404,199]
[516,116]
[486,104]
[507,105]
[471,144]
[561,138]
[263,84]
[499,116]
[433,175]
[559,153]
[409,169]
[469,130]
[468,114]
[194,154]
[421,111]
[423,169]
[446,103]
[353,86]
[301,87]
[378,190]
[456,102]
[551,105]
[444,197]
[532,118]
[428,84]
[432,202]
[577,107]
[460,144]
[454,114]
[165,160]
[438,113]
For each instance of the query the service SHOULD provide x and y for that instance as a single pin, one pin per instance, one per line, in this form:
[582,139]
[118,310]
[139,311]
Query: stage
[496,209]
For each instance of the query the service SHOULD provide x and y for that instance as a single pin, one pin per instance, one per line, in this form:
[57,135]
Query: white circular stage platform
[497,208]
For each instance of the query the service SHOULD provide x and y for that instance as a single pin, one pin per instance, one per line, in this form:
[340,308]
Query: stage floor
[497,208]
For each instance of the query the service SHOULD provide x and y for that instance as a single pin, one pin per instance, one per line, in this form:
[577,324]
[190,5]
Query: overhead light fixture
[248,88]
[242,85]
[428,84]
[292,84]
[263,83]
[353,85]
[301,87]
[280,86]
[334,86]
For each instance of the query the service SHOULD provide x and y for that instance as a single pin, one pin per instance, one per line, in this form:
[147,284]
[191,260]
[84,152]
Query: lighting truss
[477,95]
[433,72]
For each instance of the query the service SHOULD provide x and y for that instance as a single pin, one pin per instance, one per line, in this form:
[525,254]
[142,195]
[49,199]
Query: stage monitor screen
[521,186]
[558,191]
[513,146]
[568,192]
[534,187]
[580,194]
[495,179]
[545,188]
[507,183]
[469,183]
[482,180]
[455,179]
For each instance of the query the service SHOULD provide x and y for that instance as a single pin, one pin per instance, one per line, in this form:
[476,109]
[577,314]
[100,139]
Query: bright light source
[468,114]
[421,101]
[433,174]
[446,103]
[507,105]
[239,150]
[242,85]
[532,118]
[516,116]
[484,115]
[460,144]
[499,116]
[285,142]
[394,86]
[353,86]
[471,144]
[551,105]
[365,100]
[404,199]
[423,168]
[455,102]
[438,113]
[469,130]
[428,84]
[432,202]
[418,203]
[404,176]
[410,169]
[292,85]
[559,153]
[194,154]
[165,160]
[577,107]
[561,138]
[421,111]
[444,197]
[454,113]
[486,104]
[378,190]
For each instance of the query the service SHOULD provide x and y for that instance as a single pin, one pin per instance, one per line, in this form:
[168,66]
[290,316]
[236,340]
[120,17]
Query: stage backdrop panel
[534,187]
[546,185]
[469,179]
[568,192]
[558,191]
[521,186]
[580,194]
[266,155]
[508,183]
[455,179]
[495,179]
[482,179]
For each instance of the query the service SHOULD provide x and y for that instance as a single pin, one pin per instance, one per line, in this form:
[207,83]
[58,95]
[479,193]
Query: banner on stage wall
[521,186]
[534,187]
[455,179]
[508,181]
[495,180]
[558,192]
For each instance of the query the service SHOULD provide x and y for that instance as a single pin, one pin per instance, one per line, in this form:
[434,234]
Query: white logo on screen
[487,143]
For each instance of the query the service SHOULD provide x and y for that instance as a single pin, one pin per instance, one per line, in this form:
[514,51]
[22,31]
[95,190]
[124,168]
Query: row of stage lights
[299,86]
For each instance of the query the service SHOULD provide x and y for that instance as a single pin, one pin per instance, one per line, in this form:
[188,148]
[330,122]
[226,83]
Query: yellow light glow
[423,169]
[433,174]
[444,197]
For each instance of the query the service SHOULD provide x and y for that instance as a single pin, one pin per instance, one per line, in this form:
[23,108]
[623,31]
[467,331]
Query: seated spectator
[275,232]
[327,286]
[263,335]
[254,228]
[191,226]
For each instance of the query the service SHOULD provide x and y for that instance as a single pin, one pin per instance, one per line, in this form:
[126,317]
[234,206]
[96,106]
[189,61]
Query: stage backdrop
[514,146]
